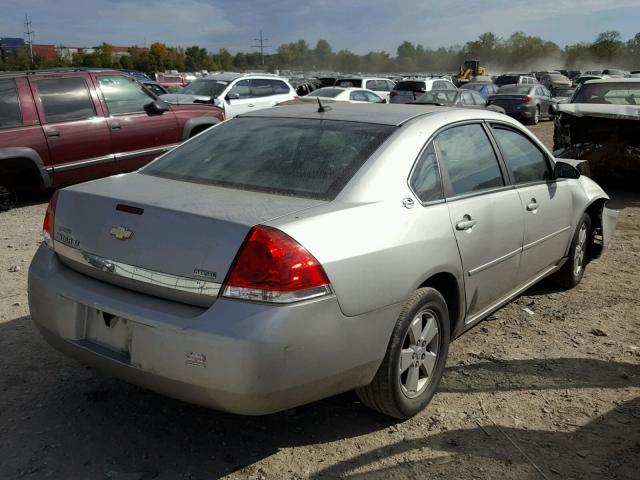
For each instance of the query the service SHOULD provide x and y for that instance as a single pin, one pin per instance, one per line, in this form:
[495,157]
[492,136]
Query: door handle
[533,205]
[115,126]
[466,223]
[53,133]
[251,105]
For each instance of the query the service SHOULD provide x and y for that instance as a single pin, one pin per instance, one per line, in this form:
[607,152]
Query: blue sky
[359,25]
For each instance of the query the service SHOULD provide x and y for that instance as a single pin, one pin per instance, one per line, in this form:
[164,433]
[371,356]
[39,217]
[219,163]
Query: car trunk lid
[162,237]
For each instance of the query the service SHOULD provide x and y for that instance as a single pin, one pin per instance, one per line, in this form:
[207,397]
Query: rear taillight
[48,226]
[393,94]
[272,267]
[527,99]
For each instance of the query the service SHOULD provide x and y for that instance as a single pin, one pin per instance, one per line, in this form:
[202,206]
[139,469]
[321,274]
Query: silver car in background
[295,253]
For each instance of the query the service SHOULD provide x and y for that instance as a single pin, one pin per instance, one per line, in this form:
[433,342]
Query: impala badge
[121,233]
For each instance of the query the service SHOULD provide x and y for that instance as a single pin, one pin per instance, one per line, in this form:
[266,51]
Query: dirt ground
[550,394]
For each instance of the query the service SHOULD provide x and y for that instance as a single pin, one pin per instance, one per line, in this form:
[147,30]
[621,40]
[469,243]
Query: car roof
[394,114]
[614,80]
[230,76]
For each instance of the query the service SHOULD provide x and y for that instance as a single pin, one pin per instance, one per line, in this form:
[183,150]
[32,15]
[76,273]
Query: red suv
[59,127]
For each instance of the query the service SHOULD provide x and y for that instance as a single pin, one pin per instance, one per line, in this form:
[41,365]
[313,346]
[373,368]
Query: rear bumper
[235,356]
[520,111]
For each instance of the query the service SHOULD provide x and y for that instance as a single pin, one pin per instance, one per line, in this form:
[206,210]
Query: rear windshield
[506,79]
[444,97]
[210,88]
[349,82]
[626,93]
[516,89]
[327,92]
[410,86]
[285,156]
[473,86]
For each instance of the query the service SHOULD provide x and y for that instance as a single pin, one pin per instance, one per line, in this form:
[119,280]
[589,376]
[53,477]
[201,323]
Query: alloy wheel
[580,250]
[419,353]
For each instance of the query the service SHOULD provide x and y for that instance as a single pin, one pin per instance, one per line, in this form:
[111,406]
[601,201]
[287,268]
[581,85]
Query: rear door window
[425,178]
[358,96]
[279,87]
[123,95]
[469,160]
[523,157]
[261,87]
[65,99]
[10,115]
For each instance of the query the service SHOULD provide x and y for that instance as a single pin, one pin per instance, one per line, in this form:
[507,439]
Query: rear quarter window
[10,115]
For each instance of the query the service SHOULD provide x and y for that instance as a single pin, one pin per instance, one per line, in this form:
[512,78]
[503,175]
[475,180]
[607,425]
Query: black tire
[536,117]
[385,393]
[8,198]
[570,275]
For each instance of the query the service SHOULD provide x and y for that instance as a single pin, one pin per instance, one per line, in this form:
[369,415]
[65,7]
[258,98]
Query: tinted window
[358,96]
[305,158]
[390,85]
[410,86]
[9,107]
[205,87]
[65,99]
[261,87]
[626,93]
[372,85]
[425,178]
[516,89]
[279,87]
[326,92]
[155,88]
[466,154]
[349,82]
[523,157]
[123,95]
[242,88]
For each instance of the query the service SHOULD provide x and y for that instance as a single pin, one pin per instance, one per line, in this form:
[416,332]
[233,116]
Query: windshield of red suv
[285,156]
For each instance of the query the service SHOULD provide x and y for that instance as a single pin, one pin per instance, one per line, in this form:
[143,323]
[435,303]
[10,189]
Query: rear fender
[30,155]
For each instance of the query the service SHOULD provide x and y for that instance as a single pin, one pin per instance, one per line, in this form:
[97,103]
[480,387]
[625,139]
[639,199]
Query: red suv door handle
[115,126]
[53,133]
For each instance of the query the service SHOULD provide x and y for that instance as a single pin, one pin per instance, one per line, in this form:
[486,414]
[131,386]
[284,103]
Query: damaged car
[294,253]
[601,124]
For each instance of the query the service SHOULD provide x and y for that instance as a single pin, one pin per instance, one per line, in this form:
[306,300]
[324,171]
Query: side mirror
[232,96]
[157,107]
[553,108]
[565,170]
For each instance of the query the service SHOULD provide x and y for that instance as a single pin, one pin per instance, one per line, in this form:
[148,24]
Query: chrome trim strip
[144,152]
[545,238]
[110,158]
[494,262]
[166,285]
[510,296]
[82,163]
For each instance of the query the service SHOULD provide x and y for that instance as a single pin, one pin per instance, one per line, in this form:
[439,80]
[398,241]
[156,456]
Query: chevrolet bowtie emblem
[121,233]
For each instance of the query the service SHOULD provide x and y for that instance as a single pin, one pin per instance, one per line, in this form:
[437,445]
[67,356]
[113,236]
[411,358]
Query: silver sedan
[298,252]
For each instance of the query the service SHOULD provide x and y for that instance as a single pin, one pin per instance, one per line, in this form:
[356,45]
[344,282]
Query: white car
[235,93]
[339,94]
[382,86]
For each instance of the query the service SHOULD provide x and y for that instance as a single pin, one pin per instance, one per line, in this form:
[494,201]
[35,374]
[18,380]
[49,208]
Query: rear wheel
[572,271]
[8,198]
[415,359]
[536,117]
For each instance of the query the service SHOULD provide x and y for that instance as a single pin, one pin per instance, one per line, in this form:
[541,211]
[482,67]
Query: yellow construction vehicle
[468,70]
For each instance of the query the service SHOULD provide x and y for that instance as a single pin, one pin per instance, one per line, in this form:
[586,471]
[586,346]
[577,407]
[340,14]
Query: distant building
[9,46]
[47,53]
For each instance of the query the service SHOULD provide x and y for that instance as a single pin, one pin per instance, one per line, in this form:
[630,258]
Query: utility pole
[261,45]
[28,36]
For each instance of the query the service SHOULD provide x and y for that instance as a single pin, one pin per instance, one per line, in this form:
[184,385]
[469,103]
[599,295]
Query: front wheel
[572,271]
[415,359]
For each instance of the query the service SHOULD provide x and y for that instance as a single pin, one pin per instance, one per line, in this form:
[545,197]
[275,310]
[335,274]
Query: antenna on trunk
[321,108]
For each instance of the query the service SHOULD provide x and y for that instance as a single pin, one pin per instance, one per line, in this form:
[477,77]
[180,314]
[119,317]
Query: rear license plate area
[109,331]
